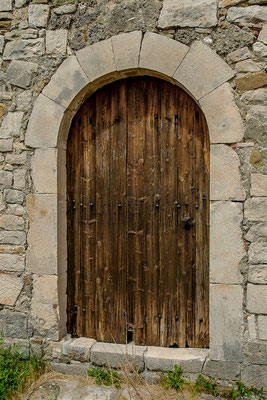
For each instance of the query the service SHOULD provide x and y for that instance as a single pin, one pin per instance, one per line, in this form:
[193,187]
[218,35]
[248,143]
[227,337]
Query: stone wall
[35,38]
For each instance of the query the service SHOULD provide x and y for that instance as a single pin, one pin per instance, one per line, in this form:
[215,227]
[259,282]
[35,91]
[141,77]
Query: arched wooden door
[138,216]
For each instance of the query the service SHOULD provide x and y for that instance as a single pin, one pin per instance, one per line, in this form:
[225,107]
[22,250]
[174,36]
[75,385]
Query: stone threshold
[114,355]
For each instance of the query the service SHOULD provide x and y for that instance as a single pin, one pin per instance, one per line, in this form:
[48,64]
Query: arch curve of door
[200,72]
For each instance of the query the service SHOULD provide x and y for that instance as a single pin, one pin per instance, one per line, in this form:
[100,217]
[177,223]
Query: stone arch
[204,75]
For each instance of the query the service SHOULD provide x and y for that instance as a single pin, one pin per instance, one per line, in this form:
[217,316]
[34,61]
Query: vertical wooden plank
[88,224]
[202,232]
[102,271]
[136,200]
[168,222]
[118,212]
[152,204]
[182,182]
[73,234]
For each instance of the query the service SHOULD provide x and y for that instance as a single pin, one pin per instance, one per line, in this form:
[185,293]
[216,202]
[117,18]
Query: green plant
[174,378]
[16,372]
[105,376]
[242,390]
[206,385]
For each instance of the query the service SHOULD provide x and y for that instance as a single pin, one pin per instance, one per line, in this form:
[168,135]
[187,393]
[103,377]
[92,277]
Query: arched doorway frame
[204,75]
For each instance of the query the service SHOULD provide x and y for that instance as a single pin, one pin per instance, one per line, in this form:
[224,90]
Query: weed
[16,373]
[174,378]
[244,391]
[206,385]
[104,376]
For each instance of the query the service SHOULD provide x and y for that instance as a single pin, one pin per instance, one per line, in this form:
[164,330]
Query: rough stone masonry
[36,36]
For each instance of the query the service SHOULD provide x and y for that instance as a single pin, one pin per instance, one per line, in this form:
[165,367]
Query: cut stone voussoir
[155,54]
[204,75]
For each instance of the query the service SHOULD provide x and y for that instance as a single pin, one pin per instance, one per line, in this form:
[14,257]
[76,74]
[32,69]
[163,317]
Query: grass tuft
[15,372]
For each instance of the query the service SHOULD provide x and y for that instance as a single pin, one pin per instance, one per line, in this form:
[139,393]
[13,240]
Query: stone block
[256,209]
[11,222]
[41,256]
[257,232]
[126,48]
[43,135]
[262,326]
[12,262]
[44,309]
[16,209]
[255,375]
[97,60]
[10,288]
[66,83]
[14,324]
[17,159]
[240,54]
[20,3]
[257,273]
[185,13]
[20,48]
[6,145]
[202,70]
[252,331]
[258,185]
[6,5]
[44,170]
[19,73]
[38,15]
[226,322]
[256,122]
[226,244]
[115,355]
[256,353]
[263,34]
[226,370]
[247,66]
[5,179]
[224,120]
[12,237]
[225,178]
[11,125]
[56,42]
[260,50]
[71,369]
[257,299]
[65,9]
[162,358]
[257,253]
[19,179]
[78,349]
[247,14]
[2,43]
[14,196]
[251,81]
[226,3]
[155,54]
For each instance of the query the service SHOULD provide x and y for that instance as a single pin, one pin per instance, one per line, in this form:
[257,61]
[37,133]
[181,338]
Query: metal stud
[156,116]
[117,119]
[91,204]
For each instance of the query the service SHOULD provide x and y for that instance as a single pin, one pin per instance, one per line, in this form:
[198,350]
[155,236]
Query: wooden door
[138,216]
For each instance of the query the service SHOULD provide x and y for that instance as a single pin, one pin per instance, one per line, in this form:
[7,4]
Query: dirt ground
[55,386]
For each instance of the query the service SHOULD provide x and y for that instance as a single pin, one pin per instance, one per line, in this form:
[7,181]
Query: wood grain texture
[138,216]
